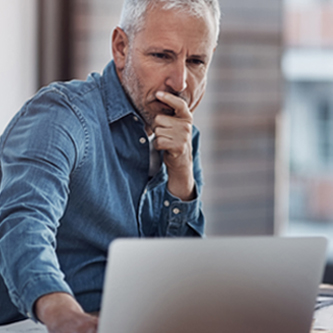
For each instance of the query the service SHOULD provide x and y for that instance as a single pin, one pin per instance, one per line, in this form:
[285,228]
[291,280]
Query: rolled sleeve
[184,218]
[38,286]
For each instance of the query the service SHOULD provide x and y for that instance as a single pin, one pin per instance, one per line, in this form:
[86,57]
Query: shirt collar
[117,103]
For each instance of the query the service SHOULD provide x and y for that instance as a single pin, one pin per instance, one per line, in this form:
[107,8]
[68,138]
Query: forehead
[177,29]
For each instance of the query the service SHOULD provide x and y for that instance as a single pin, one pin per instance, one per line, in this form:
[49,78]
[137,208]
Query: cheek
[143,78]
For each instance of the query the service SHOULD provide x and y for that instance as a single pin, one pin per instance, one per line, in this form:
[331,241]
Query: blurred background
[266,120]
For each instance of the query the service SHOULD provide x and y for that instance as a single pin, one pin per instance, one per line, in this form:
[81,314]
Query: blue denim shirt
[74,176]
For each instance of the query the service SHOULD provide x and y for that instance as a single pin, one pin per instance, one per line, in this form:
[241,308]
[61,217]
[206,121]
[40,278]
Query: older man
[117,155]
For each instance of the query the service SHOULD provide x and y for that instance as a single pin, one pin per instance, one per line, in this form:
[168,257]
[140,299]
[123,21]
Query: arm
[38,152]
[173,203]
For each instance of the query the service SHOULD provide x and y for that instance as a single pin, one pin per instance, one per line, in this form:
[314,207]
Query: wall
[244,99]
[18,56]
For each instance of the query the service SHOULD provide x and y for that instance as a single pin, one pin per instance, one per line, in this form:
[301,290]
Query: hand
[62,314]
[174,135]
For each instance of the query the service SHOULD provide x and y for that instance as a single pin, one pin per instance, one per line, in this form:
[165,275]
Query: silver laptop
[214,285]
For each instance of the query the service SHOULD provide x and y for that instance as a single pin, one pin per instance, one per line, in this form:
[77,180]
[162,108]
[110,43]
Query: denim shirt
[74,176]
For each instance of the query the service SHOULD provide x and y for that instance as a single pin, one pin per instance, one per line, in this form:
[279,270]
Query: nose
[177,77]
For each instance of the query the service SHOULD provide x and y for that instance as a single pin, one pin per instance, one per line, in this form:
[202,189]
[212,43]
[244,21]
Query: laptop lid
[242,284]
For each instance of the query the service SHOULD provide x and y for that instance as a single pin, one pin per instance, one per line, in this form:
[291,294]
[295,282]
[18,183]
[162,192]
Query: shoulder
[76,89]
[63,102]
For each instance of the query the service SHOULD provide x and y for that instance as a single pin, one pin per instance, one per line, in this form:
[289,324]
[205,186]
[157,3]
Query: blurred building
[308,70]
[244,98]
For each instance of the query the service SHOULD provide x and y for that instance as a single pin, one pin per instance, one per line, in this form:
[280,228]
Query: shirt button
[136,118]
[166,203]
[176,211]
[143,140]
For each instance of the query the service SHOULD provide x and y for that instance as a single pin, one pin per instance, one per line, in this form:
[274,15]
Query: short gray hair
[133,12]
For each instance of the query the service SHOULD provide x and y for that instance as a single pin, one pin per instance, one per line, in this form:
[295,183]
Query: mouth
[168,112]
[166,109]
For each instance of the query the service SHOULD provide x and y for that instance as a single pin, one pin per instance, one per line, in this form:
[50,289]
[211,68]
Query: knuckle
[157,132]
[187,128]
[159,119]
[183,104]
[180,148]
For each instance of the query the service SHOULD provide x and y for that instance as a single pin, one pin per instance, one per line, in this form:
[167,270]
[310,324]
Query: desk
[29,325]
[323,318]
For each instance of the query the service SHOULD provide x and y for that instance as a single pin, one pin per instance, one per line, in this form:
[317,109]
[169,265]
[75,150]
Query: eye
[159,55]
[195,61]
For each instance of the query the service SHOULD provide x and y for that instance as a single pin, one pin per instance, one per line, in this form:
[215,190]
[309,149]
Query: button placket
[176,211]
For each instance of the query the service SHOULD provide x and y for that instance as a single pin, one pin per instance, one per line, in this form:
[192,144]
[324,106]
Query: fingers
[75,324]
[174,136]
[177,131]
[177,103]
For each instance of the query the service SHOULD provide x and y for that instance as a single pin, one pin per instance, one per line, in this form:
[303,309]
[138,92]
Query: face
[172,54]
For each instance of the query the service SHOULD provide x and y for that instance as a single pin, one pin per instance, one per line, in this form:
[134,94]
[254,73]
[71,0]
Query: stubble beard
[134,89]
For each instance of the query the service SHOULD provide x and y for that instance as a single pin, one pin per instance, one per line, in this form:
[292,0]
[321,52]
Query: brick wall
[92,26]
[243,99]
[309,25]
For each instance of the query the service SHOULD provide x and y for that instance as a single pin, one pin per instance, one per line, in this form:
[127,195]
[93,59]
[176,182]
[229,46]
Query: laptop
[213,285]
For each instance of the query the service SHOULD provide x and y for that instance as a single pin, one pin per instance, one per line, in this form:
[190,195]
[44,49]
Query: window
[325,133]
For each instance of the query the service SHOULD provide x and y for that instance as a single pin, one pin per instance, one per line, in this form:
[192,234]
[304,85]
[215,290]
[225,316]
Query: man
[115,156]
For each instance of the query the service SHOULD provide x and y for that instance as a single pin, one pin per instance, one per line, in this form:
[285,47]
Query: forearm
[181,184]
[26,248]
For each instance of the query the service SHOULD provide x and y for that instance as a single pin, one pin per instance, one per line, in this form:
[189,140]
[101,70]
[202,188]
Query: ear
[119,48]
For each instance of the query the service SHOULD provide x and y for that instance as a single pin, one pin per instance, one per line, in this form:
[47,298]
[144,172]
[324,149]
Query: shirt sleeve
[167,215]
[37,154]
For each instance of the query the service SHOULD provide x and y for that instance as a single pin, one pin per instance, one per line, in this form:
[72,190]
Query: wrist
[51,307]
[182,187]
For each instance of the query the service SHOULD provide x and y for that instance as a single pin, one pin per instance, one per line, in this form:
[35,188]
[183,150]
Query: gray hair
[133,12]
